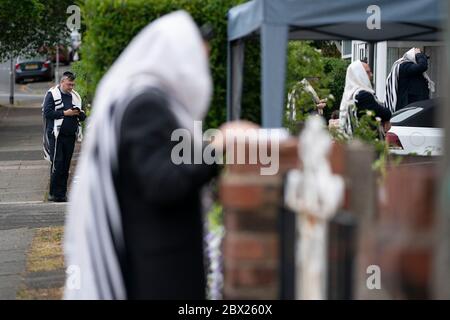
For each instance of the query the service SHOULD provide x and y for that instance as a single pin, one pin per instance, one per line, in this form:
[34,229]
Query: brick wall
[405,230]
[252,205]
[399,238]
[391,225]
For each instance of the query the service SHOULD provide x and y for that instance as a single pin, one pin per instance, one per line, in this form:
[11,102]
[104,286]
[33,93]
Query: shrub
[336,69]
[111,24]
[306,61]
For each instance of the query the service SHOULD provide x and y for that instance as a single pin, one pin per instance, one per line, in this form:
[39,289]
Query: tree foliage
[112,24]
[52,28]
[18,21]
[335,69]
[28,25]
[327,48]
[326,75]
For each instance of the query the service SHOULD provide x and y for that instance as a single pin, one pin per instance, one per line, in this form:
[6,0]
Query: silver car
[36,68]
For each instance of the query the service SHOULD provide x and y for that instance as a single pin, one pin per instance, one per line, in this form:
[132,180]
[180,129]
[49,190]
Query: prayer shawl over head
[356,80]
[392,79]
[169,55]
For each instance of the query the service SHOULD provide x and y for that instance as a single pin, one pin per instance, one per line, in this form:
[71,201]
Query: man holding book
[62,114]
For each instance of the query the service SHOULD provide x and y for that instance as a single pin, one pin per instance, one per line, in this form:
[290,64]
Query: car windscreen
[31,59]
[405,114]
[420,116]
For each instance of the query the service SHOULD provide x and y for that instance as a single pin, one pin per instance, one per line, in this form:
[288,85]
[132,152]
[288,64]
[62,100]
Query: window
[362,51]
[346,47]
[405,114]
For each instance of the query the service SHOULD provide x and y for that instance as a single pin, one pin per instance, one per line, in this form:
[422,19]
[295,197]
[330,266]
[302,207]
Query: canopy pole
[234,77]
[371,56]
[229,85]
[273,73]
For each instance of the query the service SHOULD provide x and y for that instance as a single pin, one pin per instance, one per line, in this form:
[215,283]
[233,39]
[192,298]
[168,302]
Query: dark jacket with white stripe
[412,85]
[69,126]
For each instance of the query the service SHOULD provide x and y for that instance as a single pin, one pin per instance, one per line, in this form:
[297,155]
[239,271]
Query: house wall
[380,69]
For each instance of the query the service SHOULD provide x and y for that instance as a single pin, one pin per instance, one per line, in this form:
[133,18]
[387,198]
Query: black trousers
[61,164]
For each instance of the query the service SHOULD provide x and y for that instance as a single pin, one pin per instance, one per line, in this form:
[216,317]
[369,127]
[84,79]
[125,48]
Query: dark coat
[365,100]
[412,85]
[70,124]
[160,205]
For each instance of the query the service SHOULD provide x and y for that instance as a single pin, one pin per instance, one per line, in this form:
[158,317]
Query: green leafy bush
[326,75]
[303,62]
[28,25]
[335,69]
[367,128]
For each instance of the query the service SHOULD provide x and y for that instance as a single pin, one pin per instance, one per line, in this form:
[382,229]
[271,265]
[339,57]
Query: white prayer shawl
[356,80]
[57,98]
[392,79]
[57,123]
[168,54]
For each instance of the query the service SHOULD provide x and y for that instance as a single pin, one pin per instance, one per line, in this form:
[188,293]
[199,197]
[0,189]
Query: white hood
[168,54]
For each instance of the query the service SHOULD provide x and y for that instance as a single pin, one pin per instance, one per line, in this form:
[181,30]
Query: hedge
[110,25]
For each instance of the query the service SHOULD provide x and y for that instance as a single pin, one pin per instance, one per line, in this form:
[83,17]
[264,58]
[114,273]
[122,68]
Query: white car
[413,130]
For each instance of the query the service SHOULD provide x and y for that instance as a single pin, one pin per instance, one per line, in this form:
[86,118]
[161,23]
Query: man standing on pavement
[62,111]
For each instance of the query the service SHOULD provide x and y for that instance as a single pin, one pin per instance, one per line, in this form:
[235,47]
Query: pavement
[13,246]
[24,179]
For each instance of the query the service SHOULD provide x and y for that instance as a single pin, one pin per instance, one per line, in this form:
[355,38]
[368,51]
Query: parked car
[414,129]
[39,67]
[63,53]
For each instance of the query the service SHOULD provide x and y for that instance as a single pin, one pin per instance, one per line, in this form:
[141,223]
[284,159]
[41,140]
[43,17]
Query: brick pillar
[252,204]
[405,231]
[399,237]
[343,227]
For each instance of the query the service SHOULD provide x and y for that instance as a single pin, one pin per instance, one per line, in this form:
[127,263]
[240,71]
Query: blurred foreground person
[333,123]
[358,92]
[134,229]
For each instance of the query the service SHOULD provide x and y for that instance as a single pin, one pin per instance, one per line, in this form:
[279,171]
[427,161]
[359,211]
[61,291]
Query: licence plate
[31,67]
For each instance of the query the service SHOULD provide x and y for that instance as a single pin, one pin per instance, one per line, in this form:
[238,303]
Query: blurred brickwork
[252,204]
[387,223]
[400,239]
